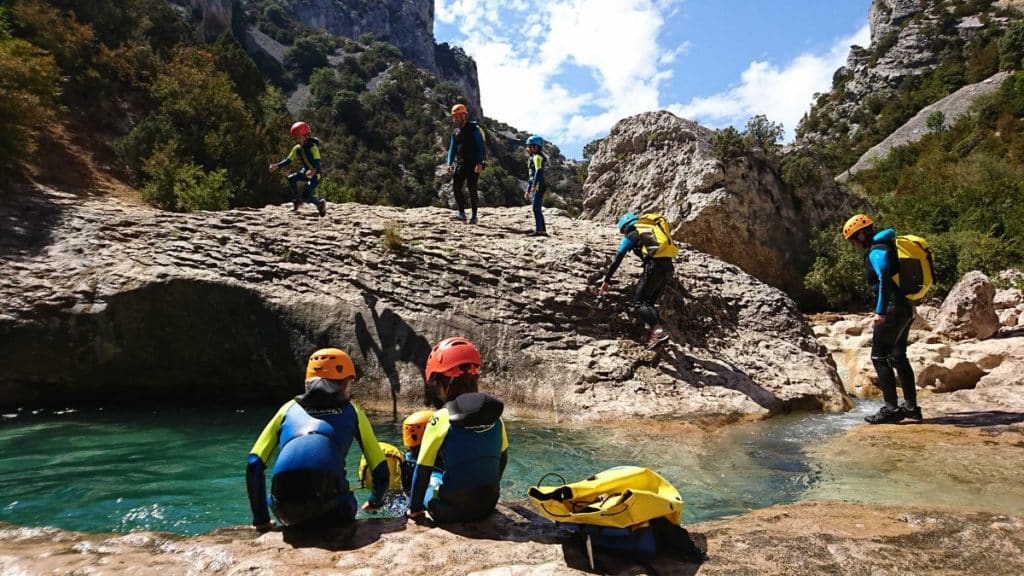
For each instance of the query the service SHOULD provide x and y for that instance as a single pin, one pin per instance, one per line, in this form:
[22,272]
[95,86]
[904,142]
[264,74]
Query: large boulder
[108,302]
[969,310]
[740,211]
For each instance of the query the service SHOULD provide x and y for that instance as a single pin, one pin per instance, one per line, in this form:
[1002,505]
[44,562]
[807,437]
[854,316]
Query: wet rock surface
[793,539]
[104,300]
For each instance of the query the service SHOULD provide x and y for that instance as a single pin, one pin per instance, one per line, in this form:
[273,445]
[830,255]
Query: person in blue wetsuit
[467,434]
[643,240]
[892,319]
[313,434]
[466,155]
[306,153]
[537,184]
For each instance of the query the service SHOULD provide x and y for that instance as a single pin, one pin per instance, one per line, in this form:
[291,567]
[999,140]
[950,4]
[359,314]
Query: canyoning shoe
[536,233]
[914,414]
[321,207]
[885,415]
[658,335]
[295,206]
[460,216]
[472,220]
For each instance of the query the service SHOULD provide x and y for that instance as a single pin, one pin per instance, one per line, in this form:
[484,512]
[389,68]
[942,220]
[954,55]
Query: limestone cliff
[106,302]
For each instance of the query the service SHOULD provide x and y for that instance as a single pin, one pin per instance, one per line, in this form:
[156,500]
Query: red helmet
[453,356]
[300,129]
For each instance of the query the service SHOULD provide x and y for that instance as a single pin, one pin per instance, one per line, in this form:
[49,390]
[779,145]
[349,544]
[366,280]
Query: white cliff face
[740,210]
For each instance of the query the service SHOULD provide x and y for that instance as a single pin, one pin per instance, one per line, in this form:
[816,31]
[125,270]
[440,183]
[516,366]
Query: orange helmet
[855,223]
[460,109]
[453,356]
[413,427]
[300,129]
[330,363]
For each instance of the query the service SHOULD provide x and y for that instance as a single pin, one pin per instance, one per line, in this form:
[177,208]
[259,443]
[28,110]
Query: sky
[570,69]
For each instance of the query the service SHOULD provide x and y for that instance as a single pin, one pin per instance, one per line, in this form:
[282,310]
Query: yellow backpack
[659,228]
[917,266]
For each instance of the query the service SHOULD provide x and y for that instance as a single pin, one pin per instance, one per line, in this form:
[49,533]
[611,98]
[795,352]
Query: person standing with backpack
[893,315]
[650,238]
[537,184]
[466,155]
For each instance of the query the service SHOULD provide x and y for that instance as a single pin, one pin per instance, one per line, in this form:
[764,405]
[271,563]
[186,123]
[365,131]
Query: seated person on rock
[412,437]
[313,433]
[467,433]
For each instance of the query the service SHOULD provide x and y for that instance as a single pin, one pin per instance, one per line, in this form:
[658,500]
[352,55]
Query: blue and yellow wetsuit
[313,433]
[656,275]
[308,158]
[889,340]
[539,185]
[469,436]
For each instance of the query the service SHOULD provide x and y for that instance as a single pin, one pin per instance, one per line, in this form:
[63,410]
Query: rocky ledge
[792,539]
[103,301]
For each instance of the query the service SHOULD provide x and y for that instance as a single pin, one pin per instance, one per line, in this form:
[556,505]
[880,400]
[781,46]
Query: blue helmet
[628,219]
[535,140]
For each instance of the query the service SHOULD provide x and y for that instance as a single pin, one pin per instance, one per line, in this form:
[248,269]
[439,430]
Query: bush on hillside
[28,76]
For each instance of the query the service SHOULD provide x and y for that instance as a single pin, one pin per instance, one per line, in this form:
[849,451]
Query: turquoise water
[183,471]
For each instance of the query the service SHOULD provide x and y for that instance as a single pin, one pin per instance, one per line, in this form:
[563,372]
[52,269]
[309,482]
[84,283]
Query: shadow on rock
[399,342]
[351,536]
[980,419]
[27,218]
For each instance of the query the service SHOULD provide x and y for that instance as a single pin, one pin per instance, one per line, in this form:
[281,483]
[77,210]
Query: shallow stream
[184,471]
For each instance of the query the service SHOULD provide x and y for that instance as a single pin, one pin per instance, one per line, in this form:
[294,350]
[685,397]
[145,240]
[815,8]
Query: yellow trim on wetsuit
[267,442]
[368,440]
[296,155]
[433,438]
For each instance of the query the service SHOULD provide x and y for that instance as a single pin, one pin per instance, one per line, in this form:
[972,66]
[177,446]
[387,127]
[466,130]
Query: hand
[603,289]
[269,525]
[273,168]
[368,506]
[310,174]
[450,169]
[478,168]
[878,320]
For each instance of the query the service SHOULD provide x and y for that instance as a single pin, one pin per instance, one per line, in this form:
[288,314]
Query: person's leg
[458,181]
[293,183]
[538,211]
[472,182]
[904,371]
[321,205]
[883,339]
[645,296]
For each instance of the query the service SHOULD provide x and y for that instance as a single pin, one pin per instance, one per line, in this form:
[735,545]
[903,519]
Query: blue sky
[569,69]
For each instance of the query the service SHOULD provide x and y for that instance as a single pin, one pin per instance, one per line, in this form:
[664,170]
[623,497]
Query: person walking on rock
[892,319]
[466,434]
[466,155]
[537,184]
[313,434]
[306,153]
[649,238]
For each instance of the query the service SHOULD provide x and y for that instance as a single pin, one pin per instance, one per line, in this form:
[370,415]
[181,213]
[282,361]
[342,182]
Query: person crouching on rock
[467,434]
[306,153]
[892,320]
[313,433]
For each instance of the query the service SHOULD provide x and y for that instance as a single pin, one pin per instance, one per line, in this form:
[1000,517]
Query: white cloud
[782,94]
[521,48]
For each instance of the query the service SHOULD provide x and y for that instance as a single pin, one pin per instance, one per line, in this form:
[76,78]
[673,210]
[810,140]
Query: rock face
[215,17]
[952,107]
[969,310]
[792,539]
[740,211]
[104,301]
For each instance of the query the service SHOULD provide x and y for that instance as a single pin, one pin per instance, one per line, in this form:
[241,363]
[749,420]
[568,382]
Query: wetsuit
[308,157]
[889,340]
[536,165]
[469,435]
[313,433]
[657,272]
[465,151]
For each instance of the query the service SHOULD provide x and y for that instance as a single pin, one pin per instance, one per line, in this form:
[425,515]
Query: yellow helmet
[330,363]
[855,223]
[413,427]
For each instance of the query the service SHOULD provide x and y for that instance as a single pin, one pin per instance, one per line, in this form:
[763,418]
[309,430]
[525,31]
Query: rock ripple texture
[104,302]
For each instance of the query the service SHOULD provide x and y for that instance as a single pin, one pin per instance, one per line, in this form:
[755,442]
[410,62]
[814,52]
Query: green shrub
[727,144]
[838,271]
[28,79]
[1011,47]
[799,171]
[763,134]
[393,237]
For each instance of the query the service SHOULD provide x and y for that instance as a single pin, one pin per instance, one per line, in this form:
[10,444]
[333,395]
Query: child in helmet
[313,433]
[537,184]
[467,433]
[307,153]
[412,437]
